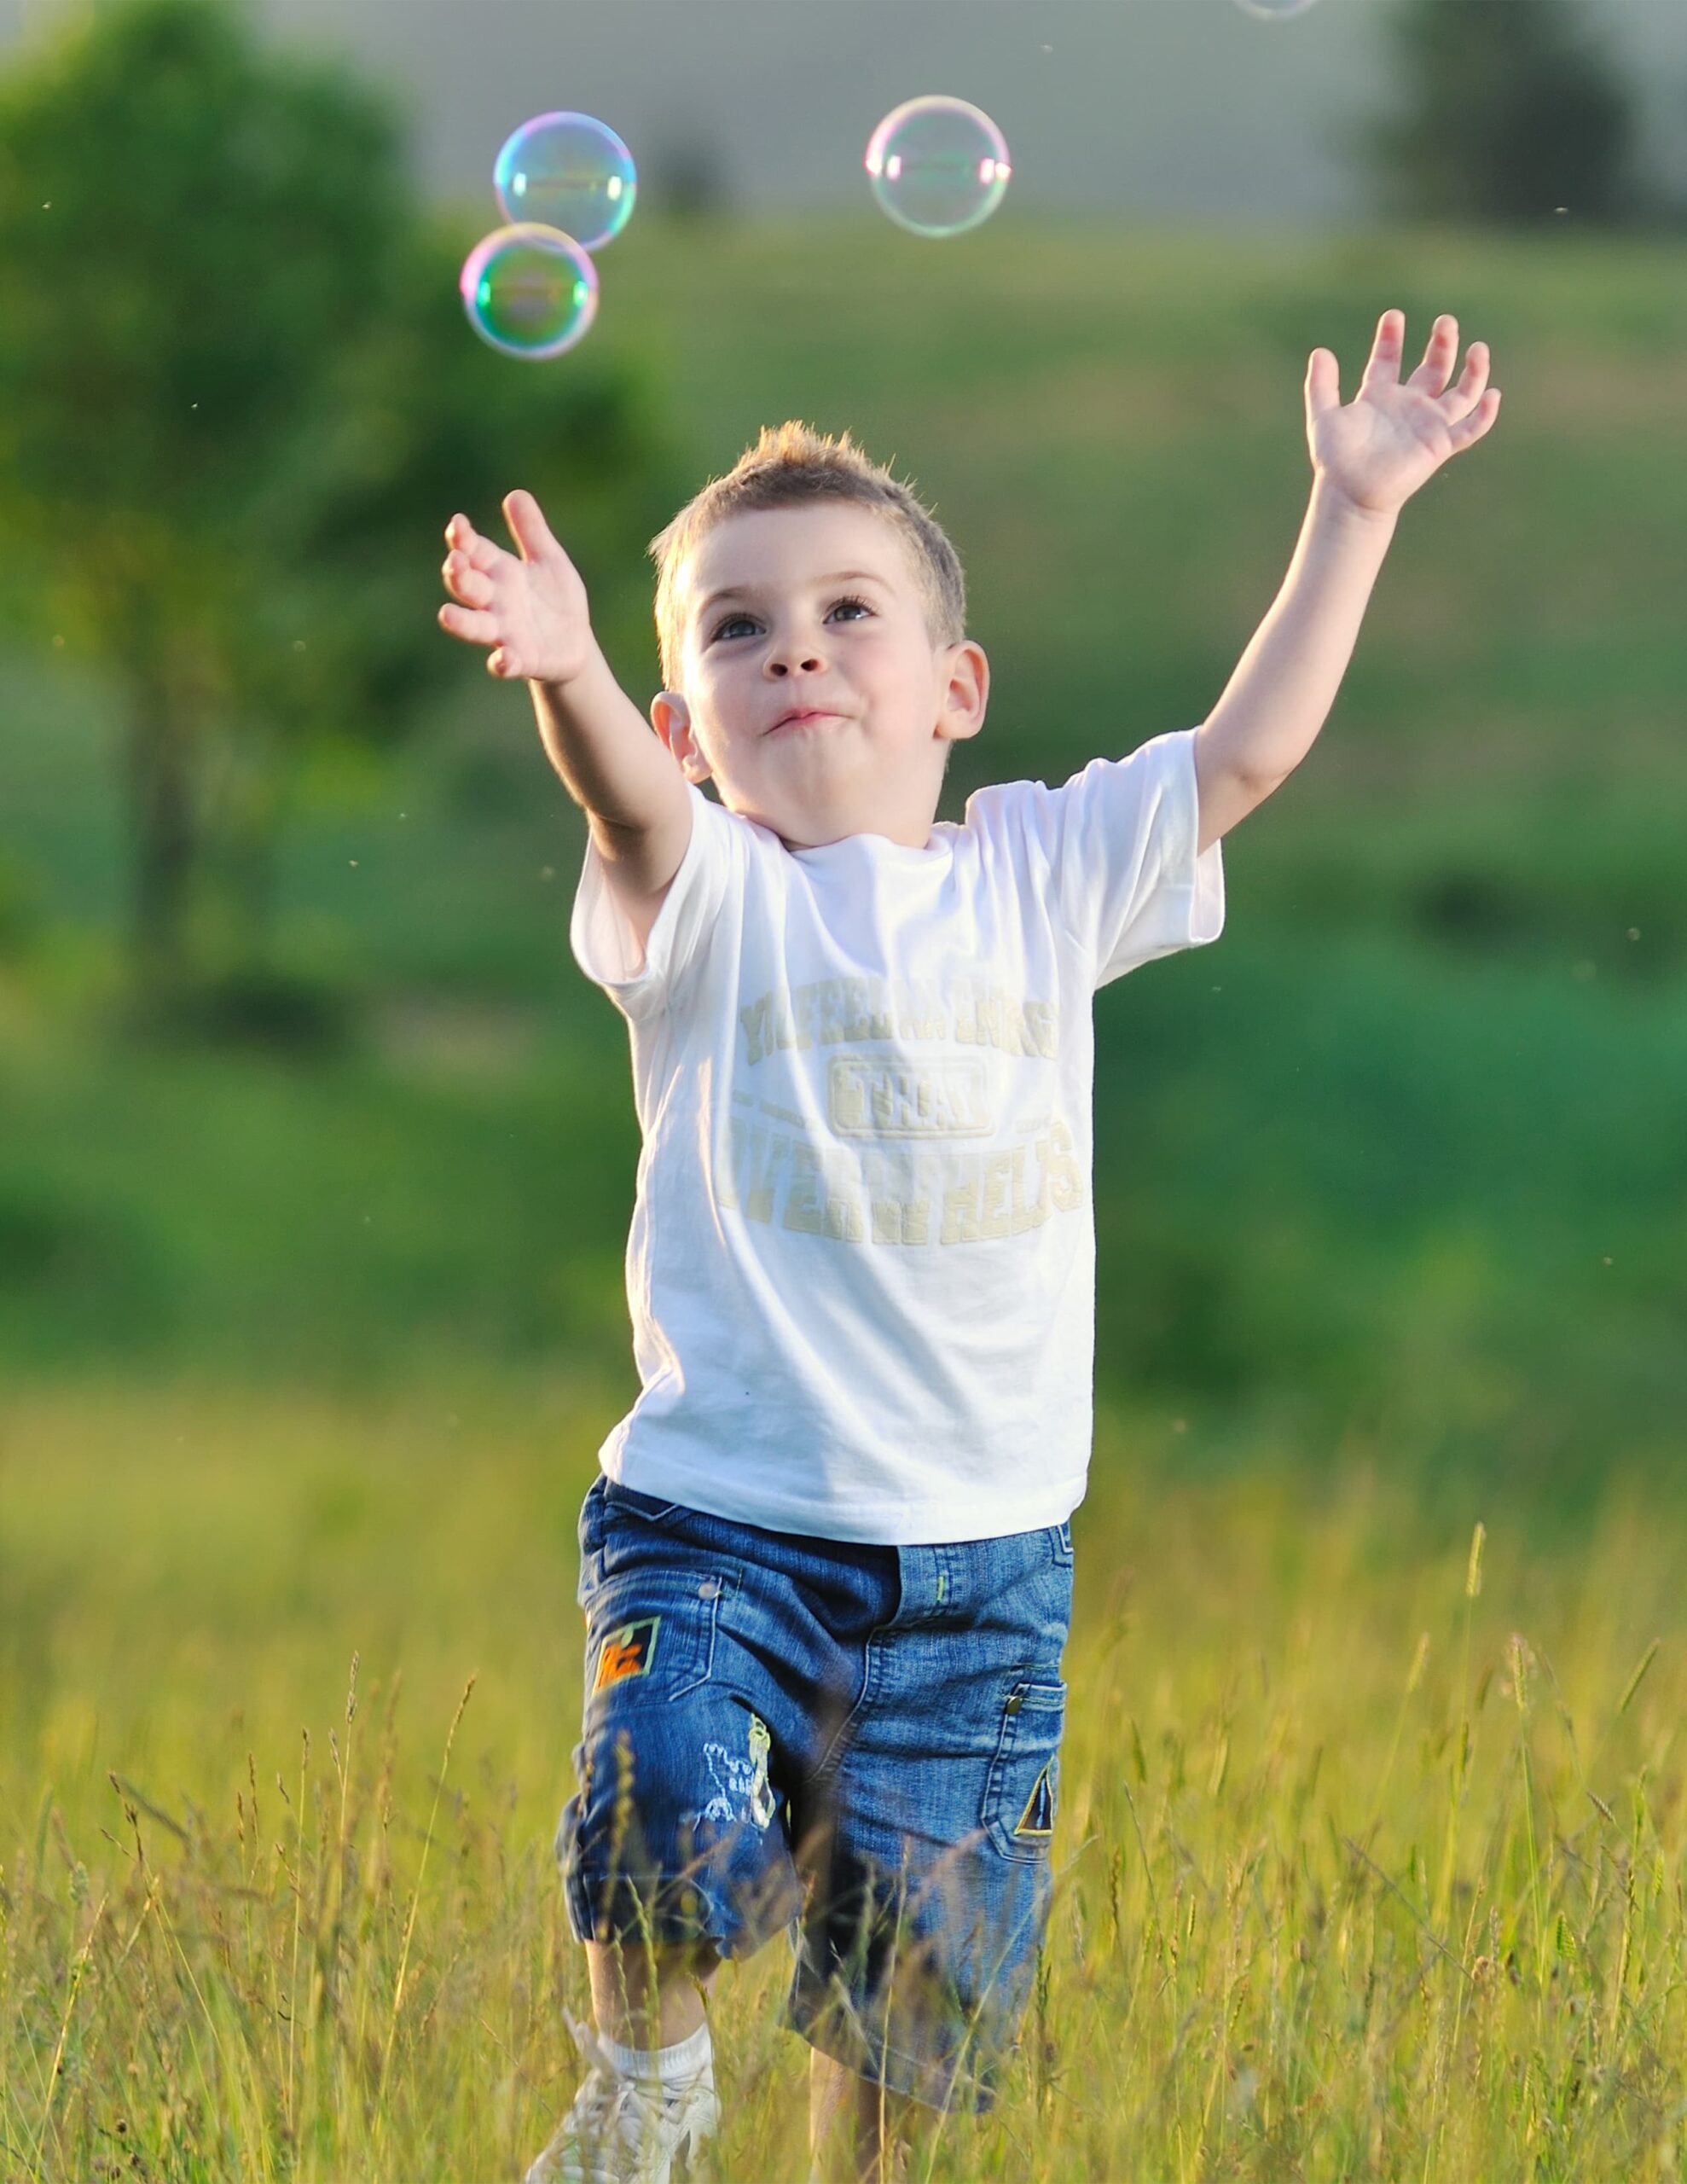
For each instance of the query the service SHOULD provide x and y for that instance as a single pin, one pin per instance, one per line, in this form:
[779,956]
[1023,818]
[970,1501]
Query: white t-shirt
[861,1266]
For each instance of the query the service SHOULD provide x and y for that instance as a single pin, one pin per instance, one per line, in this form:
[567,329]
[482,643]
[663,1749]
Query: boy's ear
[670,717]
[968,692]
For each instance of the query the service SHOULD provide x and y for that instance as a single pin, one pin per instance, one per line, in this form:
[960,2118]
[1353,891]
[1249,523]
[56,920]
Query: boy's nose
[782,663]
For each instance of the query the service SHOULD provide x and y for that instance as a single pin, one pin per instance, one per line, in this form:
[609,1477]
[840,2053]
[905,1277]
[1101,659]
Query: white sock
[681,2069]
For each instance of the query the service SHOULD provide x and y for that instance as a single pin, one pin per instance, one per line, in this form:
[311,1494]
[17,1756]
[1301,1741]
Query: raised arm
[1368,459]
[533,612]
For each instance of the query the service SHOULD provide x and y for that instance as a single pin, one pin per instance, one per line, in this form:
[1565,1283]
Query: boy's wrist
[594,670]
[1336,510]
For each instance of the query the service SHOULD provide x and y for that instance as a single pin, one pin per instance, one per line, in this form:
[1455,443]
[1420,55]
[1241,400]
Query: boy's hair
[784,469]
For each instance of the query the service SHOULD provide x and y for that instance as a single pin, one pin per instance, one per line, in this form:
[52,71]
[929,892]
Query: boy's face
[817,608]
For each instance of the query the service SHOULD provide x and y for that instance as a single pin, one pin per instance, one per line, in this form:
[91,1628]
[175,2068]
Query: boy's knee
[650,1892]
[675,1837]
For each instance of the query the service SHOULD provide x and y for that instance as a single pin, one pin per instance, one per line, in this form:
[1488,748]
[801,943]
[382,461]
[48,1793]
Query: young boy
[827,1569]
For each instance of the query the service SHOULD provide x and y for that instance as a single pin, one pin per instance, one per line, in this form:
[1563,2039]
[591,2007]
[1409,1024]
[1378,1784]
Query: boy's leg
[622,1980]
[673,1851]
[928,1850]
[859,2132]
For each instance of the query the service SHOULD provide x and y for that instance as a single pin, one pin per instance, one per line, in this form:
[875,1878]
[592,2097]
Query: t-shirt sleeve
[707,884]
[1120,838]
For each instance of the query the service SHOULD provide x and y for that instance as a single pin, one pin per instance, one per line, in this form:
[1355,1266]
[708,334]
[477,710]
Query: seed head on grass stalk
[1414,1677]
[1634,1681]
[1520,1686]
[410,1922]
[1461,1753]
[297,1902]
[76,1972]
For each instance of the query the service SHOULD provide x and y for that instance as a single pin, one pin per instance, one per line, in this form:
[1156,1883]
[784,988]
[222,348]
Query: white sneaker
[623,2130]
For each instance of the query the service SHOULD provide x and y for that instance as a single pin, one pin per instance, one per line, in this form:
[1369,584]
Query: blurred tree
[239,400]
[688,177]
[1512,109]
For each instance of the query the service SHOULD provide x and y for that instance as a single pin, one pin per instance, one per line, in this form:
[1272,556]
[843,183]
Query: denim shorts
[858,1743]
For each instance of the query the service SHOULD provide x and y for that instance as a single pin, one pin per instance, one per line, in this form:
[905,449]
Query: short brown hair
[786,467]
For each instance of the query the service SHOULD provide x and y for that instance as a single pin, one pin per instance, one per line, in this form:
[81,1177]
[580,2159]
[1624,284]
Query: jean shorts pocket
[1060,1537]
[1023,1784]
[650,1631]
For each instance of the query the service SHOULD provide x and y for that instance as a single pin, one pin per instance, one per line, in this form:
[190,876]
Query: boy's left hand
[1378,451]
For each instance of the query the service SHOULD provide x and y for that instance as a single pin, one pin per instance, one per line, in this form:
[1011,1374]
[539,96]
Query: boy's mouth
[799,715]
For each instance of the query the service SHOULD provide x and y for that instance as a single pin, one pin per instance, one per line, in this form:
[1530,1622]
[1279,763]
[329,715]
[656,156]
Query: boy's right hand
[532,611]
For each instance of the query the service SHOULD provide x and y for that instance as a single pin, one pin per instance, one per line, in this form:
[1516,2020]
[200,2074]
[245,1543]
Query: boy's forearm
[1285,682]
[612,763]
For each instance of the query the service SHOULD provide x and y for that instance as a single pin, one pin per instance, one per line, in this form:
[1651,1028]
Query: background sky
[1163,109]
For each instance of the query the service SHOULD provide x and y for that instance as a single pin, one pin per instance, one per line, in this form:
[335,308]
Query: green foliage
[190,235]
[239,402]
[1513,111]
[20,907]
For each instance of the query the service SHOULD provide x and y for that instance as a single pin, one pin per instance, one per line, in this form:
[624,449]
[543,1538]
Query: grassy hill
[1400,1158]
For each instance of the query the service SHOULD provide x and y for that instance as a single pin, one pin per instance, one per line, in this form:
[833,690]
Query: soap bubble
[1274,11]
[530,291]
[938,165]
[568,172]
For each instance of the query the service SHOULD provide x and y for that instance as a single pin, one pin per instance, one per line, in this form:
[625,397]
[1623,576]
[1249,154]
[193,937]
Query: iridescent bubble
[938,165]
[530,291]
[567,170]
[1274,11]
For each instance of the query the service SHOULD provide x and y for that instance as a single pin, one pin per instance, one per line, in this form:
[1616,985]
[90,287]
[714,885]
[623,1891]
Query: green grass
[1358,1875]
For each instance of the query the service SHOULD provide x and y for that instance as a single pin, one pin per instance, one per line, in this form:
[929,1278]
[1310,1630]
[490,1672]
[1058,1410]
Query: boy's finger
[469,623]
[531,533]
[1441,353]
[481,557]
[1462,399]
[1323,383]
[1471,428]
[1382,368]
[469,584]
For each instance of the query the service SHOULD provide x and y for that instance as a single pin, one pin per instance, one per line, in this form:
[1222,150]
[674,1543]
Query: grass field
[306,1356]
[1361,1873]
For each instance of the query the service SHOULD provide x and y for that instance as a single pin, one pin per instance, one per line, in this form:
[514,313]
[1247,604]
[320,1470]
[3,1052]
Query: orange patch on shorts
[627,1652]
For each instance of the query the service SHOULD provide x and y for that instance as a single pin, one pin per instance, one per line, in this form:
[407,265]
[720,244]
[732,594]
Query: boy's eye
[725,627]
